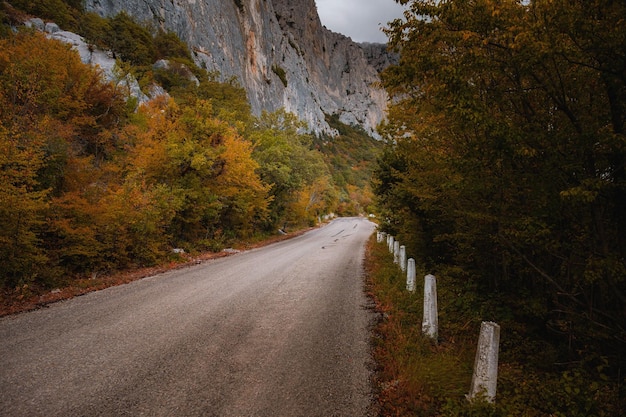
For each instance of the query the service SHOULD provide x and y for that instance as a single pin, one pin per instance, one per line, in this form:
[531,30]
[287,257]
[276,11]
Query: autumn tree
[506,151]
[207,168]
[22,204]
[54,112]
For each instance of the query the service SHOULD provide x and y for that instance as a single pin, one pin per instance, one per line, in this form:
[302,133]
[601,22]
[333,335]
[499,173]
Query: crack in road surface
[276,331]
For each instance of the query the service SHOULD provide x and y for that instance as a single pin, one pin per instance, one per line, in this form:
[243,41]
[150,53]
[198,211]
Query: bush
[64,13]
[280,73]
[95,29]
[131,41]
[168,45]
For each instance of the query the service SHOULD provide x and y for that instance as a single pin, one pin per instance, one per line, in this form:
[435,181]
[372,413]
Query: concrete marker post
[485,378]
[403,258]
[430,321]
[391,243]
[410,275]
[396,252]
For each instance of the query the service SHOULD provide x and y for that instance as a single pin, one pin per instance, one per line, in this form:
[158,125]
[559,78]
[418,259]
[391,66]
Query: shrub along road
[277,331]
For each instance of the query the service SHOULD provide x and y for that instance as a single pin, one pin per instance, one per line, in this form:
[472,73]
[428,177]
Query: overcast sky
[359,19]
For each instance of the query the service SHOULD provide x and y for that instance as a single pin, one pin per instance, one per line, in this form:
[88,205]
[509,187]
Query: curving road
[277,331]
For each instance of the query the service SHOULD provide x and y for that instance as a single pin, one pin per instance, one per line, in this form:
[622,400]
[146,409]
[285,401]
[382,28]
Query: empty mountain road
[277,331]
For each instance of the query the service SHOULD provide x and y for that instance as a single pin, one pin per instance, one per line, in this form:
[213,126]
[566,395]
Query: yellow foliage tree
[21,207]
[206,166]
[55,117]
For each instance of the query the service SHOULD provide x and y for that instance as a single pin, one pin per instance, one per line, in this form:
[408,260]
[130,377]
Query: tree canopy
[505,157]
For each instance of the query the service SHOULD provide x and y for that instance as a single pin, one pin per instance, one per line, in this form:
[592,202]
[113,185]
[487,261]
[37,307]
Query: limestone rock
[102,60]
[35,23]
[378,56]
[277,49]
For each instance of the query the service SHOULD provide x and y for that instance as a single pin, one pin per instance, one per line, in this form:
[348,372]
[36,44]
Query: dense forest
[504,175]
[91,182]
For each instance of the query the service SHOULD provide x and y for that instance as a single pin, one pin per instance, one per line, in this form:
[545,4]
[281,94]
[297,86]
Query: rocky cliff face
[378,56]
[277,49]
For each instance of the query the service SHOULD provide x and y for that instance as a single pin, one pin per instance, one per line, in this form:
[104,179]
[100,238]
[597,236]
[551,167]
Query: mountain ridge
[279,52]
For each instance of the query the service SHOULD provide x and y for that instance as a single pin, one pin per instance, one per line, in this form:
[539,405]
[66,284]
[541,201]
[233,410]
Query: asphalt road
[277,331]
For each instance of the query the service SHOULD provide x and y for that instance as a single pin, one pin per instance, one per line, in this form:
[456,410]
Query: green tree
[168,45]
[95,29]
[350,157]
[229,102]
[286,161]
[131,42]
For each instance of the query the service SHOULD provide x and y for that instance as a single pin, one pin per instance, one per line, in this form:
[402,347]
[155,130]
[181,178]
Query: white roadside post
[391,243]
[485,378]
[410,275]
[430,322]
[403,258]
[396,252]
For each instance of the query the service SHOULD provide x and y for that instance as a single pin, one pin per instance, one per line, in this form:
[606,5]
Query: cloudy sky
[359,19]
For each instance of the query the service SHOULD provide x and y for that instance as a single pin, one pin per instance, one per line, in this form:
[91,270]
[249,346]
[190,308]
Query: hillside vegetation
[504,174]
[91,183]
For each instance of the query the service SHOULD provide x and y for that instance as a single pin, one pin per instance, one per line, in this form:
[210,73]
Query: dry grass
[415,375]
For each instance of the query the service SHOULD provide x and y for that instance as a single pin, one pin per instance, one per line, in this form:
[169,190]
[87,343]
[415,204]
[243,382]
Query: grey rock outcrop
[103,60]
[278,50]
[378,56]
[100,59]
